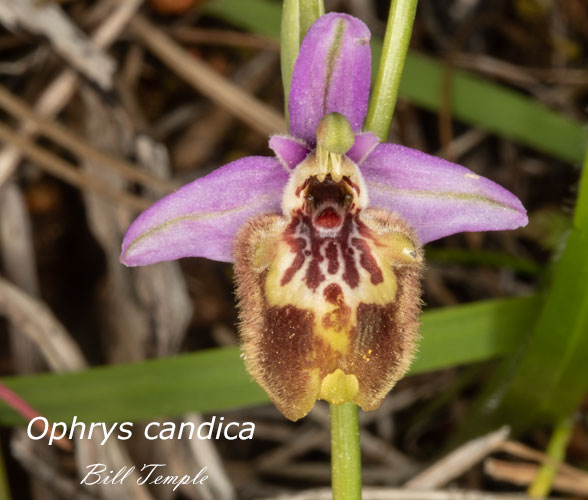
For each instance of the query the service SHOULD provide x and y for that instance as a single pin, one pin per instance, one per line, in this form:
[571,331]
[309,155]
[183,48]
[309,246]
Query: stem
[310,11]
[556,450]
[385,92]
[297,18]
[345,453]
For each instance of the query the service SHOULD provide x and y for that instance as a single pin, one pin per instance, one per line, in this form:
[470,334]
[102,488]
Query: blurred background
[106,106]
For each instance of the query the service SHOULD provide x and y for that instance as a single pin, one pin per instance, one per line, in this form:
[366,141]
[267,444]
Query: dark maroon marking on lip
[297,246]
[331,254]
[350,273]
[339,318]
[323,198]
[368,262]
[365,231]
[333,294]
[342,242]
[352,184]
[314,277]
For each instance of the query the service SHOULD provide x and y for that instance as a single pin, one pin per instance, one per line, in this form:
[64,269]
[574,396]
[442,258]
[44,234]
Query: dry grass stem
[69,140]
[305,441]
[58,93]
[206,454]
[523,474]
[458,461]
[33,318]
[203,138]
[208,36]
[241,104]
[17,255]
[460,145]
[519,75]
[525,452]
[65,171]
[67,39]
[23,450]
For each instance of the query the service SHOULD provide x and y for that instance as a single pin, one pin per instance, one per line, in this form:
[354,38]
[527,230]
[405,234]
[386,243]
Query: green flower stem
[385,91]
[556,450]
[310,11]
[345,453]
[297,18]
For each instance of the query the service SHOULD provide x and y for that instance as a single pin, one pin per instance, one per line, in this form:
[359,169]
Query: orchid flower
[327,235]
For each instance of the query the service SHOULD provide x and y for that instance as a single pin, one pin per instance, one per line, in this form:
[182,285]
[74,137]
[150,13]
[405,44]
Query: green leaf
[474,100]
[549,379]
[495,108]
[216,379]
[259,16]
[472,332]
[499,260]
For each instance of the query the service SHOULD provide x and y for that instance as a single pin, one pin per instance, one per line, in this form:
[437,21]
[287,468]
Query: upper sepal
[436,197]
[332,74]
[201,218]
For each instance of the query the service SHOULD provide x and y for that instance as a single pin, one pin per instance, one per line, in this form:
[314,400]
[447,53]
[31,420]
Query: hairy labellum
[329,292]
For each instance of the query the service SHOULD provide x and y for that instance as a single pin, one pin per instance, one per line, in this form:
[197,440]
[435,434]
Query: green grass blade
[206,381]
[259,16]
[549,379]
[472,332]
[488,258]
[216,380]
[495,108]
[556,450]
[474,100]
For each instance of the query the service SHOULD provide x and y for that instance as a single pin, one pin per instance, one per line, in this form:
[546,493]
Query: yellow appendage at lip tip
[338,387]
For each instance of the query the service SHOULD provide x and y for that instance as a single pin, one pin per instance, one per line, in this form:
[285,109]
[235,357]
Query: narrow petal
[364,144]
[201,218]
[332,74]
[436,197]
[289,150]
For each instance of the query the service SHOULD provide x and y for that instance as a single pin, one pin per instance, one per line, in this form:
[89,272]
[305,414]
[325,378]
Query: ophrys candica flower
[326,237]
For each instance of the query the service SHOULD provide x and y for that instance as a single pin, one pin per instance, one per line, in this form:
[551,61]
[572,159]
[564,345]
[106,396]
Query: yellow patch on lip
[338,387]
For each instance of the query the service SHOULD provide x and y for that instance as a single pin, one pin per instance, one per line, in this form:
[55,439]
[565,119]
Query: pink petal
[289,150]
[364,144]
[201,218]
[332,74]
[436,197]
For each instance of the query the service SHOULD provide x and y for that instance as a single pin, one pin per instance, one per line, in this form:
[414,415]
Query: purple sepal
[436,197]
[289,150]
[331,74]
[364,144]
[201,218]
